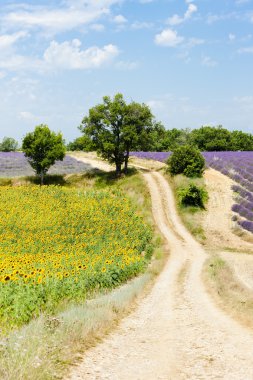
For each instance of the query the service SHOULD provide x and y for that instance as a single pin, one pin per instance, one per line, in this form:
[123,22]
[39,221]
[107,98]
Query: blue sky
[191,61]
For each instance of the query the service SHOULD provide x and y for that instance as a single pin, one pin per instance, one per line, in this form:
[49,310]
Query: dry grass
[44,348]
[243,234]
[226,290]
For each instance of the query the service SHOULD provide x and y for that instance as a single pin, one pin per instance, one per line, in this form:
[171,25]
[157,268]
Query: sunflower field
[60,244]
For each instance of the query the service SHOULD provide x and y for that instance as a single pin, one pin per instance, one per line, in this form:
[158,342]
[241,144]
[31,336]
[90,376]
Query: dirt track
[176,332]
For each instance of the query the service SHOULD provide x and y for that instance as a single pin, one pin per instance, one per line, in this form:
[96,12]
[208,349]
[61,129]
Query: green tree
[115,127]
[43,147]
[175,138]
[83,143]
[8,144]
[241,141]
[136,129]
[209,138]
[186,160]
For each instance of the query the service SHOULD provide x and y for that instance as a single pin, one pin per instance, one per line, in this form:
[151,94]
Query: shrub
[193,196]
[186,160]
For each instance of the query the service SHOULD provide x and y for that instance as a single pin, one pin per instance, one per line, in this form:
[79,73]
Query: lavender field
[157,156]
[15,164]
[236,165]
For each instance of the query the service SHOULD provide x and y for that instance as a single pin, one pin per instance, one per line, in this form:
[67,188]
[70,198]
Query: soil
[92,159]
[176,332]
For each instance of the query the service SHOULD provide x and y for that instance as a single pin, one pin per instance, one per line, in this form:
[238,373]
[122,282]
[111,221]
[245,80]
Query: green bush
[186,160]
[193,196]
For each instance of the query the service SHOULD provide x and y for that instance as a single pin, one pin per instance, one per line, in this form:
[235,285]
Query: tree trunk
[41,178]
[118,169]
[126,162]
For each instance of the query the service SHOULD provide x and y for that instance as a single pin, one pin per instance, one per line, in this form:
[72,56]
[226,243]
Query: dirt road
[176,332]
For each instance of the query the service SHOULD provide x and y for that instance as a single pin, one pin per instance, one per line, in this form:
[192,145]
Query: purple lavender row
[243,192]
[246,225]
[243,211]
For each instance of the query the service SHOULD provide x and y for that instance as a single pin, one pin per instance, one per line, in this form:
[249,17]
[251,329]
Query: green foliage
[218,138]
[241,141]
[43,147]
[206,138]
[83,143]
[115,128]
[186,160]
[209,138]
[8,144]
[193,196]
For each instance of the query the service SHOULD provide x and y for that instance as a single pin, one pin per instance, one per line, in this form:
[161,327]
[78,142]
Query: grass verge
[191,216]
[227,291]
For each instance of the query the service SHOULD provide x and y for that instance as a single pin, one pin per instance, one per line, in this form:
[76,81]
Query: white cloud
[244,102]
[141,25]
[244,99]
[126,65]
[68,55]
[97,27]
[248,49]
[169,106]
[168,37]
[25,115]
[192,8]
[194,42]
[146,1]
[7,40]
[119,19]
[231,37]
[209,62]
[2,75]
[176,19]
[211,18]
[156,104]
[15,62]
[240,2]
[59,19]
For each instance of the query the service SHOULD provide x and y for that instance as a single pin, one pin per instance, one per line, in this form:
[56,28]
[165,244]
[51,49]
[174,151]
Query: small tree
[186,160]
[8,144]
[42,148]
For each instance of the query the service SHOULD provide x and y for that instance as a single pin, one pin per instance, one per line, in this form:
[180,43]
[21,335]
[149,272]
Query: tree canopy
[8,144]
[116,127]
[43,147]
